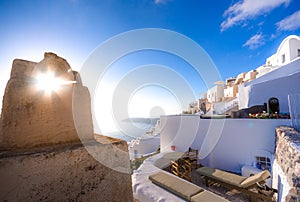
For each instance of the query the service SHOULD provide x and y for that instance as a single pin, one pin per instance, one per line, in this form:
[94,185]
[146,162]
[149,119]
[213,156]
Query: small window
[263,163]
[298,52]
[283,58]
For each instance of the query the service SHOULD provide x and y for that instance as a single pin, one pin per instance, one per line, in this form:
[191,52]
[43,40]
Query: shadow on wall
[279,188]
[244,113]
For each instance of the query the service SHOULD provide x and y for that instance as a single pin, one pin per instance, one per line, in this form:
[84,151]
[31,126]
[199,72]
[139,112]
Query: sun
[48,82]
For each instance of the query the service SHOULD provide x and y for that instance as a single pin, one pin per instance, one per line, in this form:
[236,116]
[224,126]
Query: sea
[133,128]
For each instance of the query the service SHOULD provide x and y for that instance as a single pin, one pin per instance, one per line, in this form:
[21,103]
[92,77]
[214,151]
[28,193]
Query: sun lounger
[254,185]
[184,189]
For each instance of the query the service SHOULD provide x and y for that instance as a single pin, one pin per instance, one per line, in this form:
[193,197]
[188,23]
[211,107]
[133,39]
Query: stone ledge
[65,147]
[66,173]
[287,154]
[288,133]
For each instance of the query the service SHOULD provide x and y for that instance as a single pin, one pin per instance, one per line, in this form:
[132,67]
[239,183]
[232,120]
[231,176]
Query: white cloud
[289,23]
[255,41]
[248,9]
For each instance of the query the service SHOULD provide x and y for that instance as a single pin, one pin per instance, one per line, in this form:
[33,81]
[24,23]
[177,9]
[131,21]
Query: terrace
[242,146]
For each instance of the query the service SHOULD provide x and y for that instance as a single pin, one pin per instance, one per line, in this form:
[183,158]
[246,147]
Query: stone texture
[48,151]
[65,173]
[287,154]
[32,118]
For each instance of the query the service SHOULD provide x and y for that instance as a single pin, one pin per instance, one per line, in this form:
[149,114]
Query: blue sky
[238,35]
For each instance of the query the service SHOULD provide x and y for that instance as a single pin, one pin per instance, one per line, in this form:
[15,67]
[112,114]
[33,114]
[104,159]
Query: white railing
[220,108]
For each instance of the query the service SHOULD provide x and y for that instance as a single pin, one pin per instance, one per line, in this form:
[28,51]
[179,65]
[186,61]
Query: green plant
[265,115]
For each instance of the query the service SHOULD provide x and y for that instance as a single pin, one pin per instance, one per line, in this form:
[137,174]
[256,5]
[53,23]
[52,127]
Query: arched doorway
[273,105]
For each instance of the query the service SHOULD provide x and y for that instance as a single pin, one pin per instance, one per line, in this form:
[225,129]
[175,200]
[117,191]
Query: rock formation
[33,117]
[287,156]
[48,150]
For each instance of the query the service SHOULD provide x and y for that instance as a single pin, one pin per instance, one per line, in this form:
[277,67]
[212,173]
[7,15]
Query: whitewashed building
[278,78]
[215,94]
[288,50]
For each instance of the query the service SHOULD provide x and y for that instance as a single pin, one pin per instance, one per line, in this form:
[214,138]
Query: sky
[237,35]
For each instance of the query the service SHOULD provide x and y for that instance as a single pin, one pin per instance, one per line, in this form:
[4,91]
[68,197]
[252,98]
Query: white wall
[222,107]
[262,70]
[279,88]
[231,91]
[288,47]
[250,76]
[284,49]
[278,83]
[279,182]
[232,142]
[215,94]
[272,60]
[294,46]
[143,146]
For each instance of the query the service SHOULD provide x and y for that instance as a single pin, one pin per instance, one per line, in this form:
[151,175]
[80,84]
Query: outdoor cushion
[175,185]
[166,159]
[162,163]
[238,182]
[174,155]
[224,176]
[256,178]
[207,196]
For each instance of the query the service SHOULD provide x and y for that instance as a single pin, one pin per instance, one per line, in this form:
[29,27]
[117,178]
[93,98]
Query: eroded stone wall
[287,159]
[66,173]
[32,117]
[47,147]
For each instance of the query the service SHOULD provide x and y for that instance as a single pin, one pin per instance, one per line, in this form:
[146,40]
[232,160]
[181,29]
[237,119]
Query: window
[263,163]
[298,52]
[283,58]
